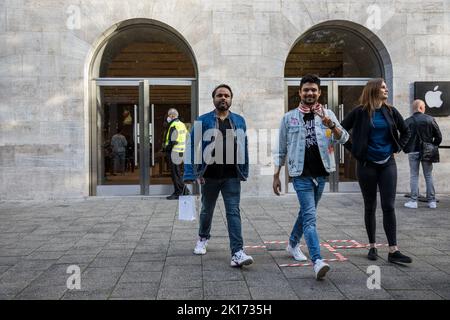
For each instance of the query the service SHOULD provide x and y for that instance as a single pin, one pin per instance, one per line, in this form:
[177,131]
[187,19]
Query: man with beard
[310,131]
[223,165]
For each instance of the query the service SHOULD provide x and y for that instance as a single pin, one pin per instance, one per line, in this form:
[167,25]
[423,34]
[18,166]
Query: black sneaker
[373,254]
[173,197]
[398,257]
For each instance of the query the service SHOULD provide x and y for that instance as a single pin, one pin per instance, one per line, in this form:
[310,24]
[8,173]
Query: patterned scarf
[316,108]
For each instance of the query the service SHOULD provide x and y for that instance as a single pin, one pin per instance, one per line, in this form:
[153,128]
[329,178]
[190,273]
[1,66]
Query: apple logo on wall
[433,98]
[436,95]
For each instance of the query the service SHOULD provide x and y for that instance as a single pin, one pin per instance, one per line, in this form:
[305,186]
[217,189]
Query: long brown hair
[370,97]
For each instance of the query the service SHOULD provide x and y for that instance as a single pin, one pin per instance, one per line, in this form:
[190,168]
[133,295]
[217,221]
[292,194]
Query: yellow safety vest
[181,137]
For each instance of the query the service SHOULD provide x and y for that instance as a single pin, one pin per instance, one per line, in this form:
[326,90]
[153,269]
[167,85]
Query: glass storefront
[131,56]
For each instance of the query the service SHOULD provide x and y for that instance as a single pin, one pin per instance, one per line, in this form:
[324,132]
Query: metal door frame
[144,188]
[333,85]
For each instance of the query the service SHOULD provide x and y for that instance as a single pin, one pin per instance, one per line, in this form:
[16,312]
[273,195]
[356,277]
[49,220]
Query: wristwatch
[332,126]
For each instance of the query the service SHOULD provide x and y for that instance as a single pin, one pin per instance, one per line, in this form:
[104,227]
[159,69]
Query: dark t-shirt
[313,166]
[223,170]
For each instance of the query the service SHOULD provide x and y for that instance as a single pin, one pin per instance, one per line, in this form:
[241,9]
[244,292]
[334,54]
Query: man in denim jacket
[307,136]
[219,166]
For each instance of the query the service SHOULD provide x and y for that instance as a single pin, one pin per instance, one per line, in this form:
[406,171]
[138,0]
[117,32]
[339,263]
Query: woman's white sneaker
[296,252]
[432,205]
[200,247]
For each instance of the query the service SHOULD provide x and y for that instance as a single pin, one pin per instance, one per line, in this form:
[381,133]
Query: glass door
[131,126]
[165,96]
[118,166]
[346,94]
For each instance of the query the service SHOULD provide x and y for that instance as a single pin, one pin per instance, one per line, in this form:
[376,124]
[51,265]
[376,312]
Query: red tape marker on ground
[330,248]
[354,244]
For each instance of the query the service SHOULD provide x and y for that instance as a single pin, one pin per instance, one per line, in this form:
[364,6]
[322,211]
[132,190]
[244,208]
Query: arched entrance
[345,56]
[141,69]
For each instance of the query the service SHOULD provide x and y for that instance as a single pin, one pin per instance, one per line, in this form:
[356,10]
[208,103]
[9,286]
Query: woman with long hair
[377,132]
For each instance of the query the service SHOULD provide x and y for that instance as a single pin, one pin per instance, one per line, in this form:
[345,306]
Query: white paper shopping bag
[186,208]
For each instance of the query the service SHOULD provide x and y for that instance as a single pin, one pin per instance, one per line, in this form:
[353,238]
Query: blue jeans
[119,162]
[231,193]
[427,167]
[309,191]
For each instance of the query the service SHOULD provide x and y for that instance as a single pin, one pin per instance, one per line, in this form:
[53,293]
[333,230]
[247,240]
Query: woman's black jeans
[383,176]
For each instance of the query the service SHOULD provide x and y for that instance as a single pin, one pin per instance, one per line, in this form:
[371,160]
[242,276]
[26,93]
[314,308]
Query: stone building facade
[55,53]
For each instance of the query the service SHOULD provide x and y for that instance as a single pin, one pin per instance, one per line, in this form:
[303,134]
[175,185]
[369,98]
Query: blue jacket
[292,140]
[204,132]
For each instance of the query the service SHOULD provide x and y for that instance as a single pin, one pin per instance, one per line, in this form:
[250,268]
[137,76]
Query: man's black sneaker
[173,197]
[373,254]
[398,257]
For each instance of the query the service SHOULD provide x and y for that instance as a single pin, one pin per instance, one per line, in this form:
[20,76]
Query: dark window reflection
[333,53]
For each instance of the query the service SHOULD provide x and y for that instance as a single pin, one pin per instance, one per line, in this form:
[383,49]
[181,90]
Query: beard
[309,100]
[222,106]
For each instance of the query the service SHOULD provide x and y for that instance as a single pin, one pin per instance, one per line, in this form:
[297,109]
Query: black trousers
[176,173]
[383,176]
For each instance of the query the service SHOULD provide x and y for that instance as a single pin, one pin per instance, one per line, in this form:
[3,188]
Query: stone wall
[46,49]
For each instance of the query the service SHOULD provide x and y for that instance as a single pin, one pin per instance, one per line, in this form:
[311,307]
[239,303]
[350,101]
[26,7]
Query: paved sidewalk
[135,248]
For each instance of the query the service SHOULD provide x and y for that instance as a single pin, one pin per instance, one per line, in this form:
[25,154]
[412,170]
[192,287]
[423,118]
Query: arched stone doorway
[140,69]
[345,56]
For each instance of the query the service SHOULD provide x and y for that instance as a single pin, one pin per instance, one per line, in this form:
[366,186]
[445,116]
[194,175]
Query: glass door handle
[136,136]
[152,134]
[341,147]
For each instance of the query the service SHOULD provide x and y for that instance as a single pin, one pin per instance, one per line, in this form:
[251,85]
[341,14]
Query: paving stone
[414,295]
[280,290]
[225,288]
[100,278]
[434,279]
[146,254]
[19,277]
[184,260]
[45,255]
[42,293]
[140,276]
[444,292]
[311,289]
[39,265]
[138,291]
[390,282]
[223,274]
[86,295]
[76,259]
[109,262]
[233,297]
[139,257]
[180,293]
[145,266]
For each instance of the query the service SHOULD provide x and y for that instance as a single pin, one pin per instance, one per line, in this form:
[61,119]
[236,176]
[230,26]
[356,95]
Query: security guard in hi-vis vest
[174,145]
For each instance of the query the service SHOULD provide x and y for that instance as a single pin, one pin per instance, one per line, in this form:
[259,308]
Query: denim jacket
[194,162]
[292,141]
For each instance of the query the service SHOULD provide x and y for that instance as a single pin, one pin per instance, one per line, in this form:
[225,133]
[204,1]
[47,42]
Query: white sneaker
[241,259]
[432,205]
[321,268]
[411,204]
[296,253]
[200,247]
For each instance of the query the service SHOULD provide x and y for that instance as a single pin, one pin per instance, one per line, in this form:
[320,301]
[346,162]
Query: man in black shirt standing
[221,172]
